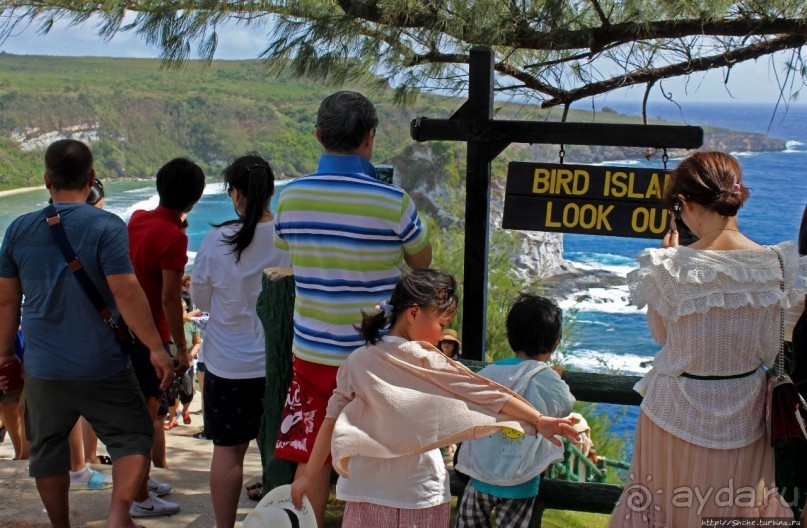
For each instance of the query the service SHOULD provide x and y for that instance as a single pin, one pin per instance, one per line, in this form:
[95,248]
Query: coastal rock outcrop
[35,138]
[421,172]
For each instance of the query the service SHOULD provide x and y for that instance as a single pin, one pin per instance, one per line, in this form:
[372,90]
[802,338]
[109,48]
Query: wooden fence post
[275,308]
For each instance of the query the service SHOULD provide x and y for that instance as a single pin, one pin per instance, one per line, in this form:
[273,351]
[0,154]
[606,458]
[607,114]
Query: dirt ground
[189,460]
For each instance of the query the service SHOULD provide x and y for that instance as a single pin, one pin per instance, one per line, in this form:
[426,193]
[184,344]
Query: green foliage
[554,51]
[570,519]
[606,443]
[449,252]
[144,116]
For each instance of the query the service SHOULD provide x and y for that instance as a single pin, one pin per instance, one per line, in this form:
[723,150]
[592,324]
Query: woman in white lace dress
[701,449]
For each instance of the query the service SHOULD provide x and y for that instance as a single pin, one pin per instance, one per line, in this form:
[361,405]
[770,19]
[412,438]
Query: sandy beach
[11,192]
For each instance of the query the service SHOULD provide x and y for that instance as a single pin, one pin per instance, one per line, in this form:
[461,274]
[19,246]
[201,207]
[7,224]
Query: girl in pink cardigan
[397,401]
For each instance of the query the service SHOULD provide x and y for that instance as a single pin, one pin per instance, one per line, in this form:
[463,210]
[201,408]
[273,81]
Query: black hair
[69,164]
[254,179]
[180,184]
[343,120]
[426,288]
[96,192]
[534,325]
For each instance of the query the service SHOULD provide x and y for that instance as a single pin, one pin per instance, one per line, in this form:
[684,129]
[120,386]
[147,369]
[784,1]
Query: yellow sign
[590,199]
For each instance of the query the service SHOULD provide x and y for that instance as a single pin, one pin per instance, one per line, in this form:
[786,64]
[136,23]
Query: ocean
[608,333]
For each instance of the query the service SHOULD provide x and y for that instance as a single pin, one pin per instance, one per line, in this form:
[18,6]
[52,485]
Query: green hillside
[137,116]
[144,115]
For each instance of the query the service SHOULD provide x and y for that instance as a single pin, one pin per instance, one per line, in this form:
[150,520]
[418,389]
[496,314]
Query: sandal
[170,425]
[186,418]
[255,491]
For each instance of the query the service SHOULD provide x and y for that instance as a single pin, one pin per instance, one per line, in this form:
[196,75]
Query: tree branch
[529,81]
[600,13]
[591,38]
[752,51]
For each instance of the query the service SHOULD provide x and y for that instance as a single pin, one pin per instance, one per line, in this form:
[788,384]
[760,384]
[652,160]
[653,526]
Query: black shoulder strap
[60,237]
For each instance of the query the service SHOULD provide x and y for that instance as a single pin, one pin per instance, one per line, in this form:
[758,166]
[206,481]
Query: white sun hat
[275,510]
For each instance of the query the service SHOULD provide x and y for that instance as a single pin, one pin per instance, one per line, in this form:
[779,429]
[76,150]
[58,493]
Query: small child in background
[449,344]
[505,467]
[397,401]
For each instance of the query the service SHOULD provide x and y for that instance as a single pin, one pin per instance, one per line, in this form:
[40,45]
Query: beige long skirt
[675,484]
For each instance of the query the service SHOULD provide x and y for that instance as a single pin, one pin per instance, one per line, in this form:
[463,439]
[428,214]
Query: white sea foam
[616,162]
[213,188]
[617,269]
[744,154]
[792,147]
[595,361]
[614,300]
[148,204]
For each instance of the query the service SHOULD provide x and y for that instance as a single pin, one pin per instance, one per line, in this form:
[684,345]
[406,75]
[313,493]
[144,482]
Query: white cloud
[64,39]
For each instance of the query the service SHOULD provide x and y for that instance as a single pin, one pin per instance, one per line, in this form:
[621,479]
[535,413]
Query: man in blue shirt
[74,366]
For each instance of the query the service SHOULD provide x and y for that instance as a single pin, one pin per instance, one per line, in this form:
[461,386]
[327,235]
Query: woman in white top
[226,282]
[701,448]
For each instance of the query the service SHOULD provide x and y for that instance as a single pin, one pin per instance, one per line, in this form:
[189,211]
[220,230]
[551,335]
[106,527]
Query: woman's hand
[549,428]
[671,238]
[299,488]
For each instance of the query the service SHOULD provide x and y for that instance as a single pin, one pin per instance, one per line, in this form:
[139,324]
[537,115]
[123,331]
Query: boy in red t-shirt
[158,248]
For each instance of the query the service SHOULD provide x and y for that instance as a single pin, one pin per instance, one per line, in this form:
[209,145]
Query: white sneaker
[90,479]
[159,488]
[153,507]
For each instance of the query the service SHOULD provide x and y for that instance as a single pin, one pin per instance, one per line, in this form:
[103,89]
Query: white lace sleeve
[681,281]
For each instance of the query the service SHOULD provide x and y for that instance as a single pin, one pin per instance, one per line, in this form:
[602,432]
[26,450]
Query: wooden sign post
[486,138]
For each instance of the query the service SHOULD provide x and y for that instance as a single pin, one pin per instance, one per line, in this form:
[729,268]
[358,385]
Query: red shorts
[311,387]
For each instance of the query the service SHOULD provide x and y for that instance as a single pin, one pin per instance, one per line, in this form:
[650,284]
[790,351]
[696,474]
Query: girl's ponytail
[371,326]
[254,179]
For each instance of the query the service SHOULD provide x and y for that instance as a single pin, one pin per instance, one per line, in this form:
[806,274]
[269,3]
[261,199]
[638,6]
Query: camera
[384,172]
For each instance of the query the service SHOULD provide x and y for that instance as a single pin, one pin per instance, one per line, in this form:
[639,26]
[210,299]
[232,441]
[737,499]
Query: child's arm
[319,454]
[545,425]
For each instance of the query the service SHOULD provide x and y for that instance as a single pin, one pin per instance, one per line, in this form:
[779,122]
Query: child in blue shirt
[505,467]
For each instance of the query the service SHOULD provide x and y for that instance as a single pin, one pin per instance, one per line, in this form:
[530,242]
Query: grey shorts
[114,406]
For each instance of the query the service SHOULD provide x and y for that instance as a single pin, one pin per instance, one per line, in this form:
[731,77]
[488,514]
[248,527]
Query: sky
[750,82]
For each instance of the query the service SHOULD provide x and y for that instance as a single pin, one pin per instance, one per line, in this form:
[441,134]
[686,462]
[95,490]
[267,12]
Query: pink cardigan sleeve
[457,379]
[470,386]
[342,394]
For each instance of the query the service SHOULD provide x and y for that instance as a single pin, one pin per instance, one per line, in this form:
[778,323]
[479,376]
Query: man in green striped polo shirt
[348,235]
